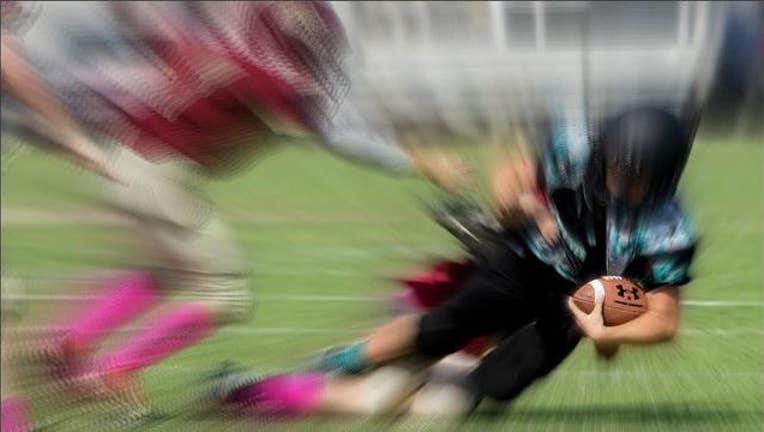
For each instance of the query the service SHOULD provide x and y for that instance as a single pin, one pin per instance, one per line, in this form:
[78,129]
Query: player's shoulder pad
[667,228]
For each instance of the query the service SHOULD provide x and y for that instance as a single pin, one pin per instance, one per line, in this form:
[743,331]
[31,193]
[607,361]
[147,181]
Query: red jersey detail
[437,285]
[206,70]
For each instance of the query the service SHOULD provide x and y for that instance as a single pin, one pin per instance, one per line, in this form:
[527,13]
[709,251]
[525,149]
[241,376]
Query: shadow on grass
[679,412]
[665,414]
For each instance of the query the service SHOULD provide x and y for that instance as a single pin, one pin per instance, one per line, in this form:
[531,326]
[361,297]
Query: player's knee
[238,310]
[434,346]
[502,379]
[444,400]
[439,335]
[385,388]
[232,302]
[12,298]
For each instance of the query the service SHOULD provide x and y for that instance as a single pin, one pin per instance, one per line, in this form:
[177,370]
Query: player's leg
[519,360]
[196,256]
[389,341]
[212,291]
[15,416]
[525,356]
[407,385]
[381,391]
[489,301]
[385,390]
[443,393]
[430,288]
[390,388]
[199,260]
[119,299]
[410,385]
[528,351]
[14,410]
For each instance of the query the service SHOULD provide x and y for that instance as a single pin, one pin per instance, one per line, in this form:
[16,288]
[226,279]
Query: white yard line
[34,216]
[23,216]
[659,374]
[735,331]
[587,373]
[330,298]
[722,303]
[264,297]
[739,331]
[238,331]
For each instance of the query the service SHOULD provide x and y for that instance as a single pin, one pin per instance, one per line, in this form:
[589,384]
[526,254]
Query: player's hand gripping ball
[623,300]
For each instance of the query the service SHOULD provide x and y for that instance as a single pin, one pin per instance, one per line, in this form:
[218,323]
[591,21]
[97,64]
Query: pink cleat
[15,417]
[286,395]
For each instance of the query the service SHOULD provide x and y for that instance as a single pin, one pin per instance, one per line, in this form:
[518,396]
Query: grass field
[322,235]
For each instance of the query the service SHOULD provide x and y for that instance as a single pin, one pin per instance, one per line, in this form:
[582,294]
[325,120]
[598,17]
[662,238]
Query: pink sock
[171,332]
[289,394]
[123,299]
[14,415]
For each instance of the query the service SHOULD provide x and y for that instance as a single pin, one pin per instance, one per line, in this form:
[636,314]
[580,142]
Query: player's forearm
[353,136]
[652,327]
[28,87]
[368,150]
[54,121]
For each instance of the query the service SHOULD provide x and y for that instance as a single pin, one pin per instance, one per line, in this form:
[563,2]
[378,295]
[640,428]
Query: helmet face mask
[625,188]
[643,152]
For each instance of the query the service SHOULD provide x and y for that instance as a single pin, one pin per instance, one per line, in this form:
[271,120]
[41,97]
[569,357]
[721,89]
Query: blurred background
[473,65]
[323,238]
[465,68]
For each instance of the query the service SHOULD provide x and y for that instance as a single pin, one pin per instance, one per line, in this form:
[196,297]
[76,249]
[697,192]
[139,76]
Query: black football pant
[521,300]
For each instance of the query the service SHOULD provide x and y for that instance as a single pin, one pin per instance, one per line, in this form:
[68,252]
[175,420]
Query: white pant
[191,244]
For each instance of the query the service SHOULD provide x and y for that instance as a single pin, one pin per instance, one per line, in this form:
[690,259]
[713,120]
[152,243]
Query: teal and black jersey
[654,245]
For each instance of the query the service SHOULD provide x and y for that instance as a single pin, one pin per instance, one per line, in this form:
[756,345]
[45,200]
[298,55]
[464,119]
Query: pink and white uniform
[176,84]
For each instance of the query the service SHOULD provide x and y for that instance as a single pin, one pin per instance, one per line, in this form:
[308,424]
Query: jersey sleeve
[667,247]
[351,134]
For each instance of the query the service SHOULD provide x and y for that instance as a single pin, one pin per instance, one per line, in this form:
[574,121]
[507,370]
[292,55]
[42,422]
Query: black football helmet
[647,143]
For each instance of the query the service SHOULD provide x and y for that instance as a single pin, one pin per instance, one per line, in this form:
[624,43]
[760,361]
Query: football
[624,299]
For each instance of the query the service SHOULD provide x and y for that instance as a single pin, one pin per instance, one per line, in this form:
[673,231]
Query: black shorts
[517,298]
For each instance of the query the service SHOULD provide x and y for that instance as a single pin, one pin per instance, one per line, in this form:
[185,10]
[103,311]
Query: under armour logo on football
[631,294]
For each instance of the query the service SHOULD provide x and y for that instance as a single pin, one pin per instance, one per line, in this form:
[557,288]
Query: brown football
[624,299]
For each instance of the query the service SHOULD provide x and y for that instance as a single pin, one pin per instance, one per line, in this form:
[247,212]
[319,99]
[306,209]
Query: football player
[174,88]
[594,204]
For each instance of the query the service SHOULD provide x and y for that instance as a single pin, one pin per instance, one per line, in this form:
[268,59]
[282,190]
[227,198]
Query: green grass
[313,225]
